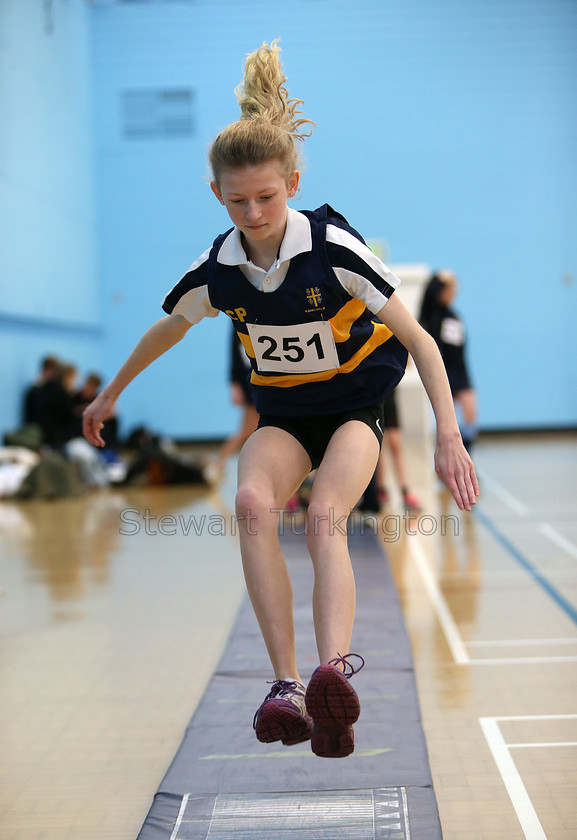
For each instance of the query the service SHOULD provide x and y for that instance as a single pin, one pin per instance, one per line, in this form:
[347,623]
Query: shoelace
[349,668]
[280,688]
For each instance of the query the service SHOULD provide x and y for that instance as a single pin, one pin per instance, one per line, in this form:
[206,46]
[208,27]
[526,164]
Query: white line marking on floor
[521,642]
[532,828]
[548,744]
[505,575]
[503,495]
[444,616]
[524,660]
[442,611]
[557,538]
[517,718]
[522,510]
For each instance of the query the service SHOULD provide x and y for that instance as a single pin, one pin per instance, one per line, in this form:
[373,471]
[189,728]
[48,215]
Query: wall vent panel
[150,113]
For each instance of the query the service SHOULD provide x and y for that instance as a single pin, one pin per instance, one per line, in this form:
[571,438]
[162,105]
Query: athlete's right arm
[161,336]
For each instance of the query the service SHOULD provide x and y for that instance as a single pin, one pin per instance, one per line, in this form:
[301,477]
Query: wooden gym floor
[115,607]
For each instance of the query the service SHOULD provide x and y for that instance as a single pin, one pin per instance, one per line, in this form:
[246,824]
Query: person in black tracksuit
[241,396]
[376,495]
[441,320]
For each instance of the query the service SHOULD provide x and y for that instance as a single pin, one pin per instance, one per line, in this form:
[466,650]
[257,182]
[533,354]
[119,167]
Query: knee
[324,522]
[252,500]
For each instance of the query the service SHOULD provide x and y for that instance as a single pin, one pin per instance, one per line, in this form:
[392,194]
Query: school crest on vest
[314,298]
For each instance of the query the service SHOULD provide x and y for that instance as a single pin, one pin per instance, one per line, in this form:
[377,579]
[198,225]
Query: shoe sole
[331,743]
[279,723]
[334,706]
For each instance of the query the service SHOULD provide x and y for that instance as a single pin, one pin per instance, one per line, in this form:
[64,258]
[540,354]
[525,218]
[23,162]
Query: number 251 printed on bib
[298,348]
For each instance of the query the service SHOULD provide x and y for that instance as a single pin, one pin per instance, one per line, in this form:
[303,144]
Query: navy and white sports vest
[369,361]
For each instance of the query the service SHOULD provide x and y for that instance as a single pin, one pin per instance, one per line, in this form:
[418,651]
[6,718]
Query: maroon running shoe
[283,715]
[334,706]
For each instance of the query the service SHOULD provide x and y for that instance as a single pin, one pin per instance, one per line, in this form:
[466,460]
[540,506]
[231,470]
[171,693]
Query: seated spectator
[57,416]
[38,393]
[89,389]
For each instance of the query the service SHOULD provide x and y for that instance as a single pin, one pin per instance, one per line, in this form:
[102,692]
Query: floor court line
[557,538]
[513,574]
[528,819]
[544,744]
[449,626]
[535,573]
[512,780]
[442,611]
[502,494]
[521,509]
[544,528]
[521,642]
[518,718]
[524,660]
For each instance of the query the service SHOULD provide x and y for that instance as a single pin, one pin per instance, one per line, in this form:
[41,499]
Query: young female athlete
[327,339]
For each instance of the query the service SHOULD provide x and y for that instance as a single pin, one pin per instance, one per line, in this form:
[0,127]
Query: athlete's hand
[454,466]
[94,415]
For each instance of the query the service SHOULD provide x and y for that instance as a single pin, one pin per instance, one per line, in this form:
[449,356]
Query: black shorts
[314,432]
[390,412]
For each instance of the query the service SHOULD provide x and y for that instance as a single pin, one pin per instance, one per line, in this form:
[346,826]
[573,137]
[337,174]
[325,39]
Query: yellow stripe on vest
[342,322]
[379,336]
[247,344]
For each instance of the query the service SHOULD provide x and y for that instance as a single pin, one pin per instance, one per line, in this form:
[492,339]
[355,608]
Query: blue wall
[49,300]
[445,127]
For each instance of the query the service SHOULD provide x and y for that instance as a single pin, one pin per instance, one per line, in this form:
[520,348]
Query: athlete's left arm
[452,461]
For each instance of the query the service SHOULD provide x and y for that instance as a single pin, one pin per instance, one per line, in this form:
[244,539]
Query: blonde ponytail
[269,125]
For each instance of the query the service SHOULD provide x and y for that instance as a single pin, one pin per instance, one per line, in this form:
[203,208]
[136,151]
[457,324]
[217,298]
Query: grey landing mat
[224,784]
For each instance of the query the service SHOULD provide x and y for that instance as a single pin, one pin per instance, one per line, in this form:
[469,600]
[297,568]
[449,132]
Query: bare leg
[272,466]
[236,442]
[345,471]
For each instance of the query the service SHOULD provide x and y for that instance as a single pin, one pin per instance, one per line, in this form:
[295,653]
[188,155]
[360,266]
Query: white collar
[297,240]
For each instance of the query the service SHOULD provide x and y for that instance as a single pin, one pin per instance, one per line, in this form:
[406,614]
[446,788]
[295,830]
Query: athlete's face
[256,200]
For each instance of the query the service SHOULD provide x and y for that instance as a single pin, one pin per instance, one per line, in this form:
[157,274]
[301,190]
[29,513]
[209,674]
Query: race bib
[298,348]
[452,331]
